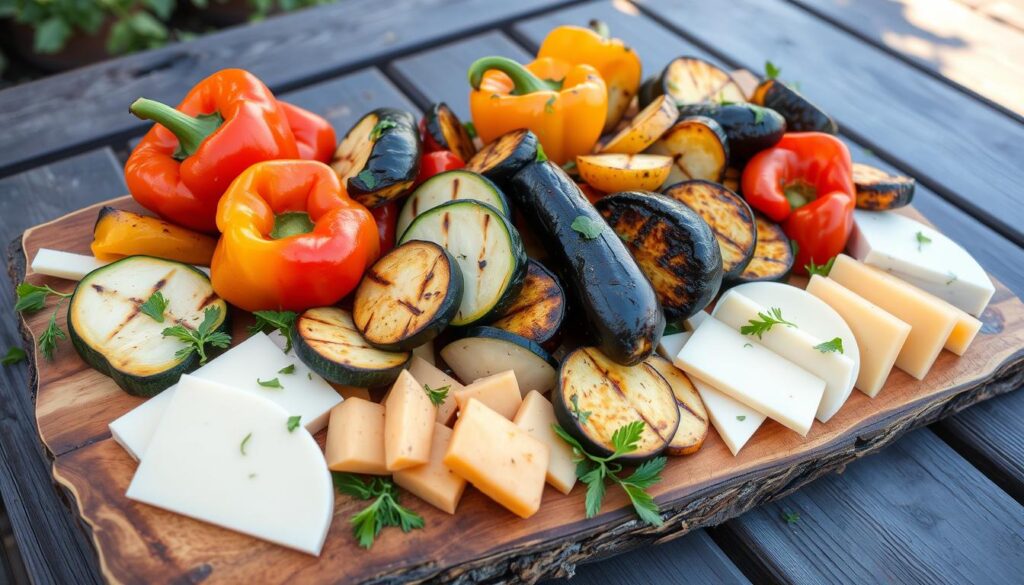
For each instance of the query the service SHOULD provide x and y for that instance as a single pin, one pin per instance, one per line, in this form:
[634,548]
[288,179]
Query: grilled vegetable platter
[574,289]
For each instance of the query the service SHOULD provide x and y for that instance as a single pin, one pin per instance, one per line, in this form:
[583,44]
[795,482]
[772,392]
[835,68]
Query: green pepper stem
[190,131]
[525,81]
[601,28]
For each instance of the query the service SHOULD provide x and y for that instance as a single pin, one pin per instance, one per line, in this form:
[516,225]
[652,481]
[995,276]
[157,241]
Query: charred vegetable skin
[442,130]
[800,114]
[878,190]
[539,309]
[773,256]
[728,215]
[601,277]
[691,80]
[119,233]
[327,341]
[501,159]
[749,128]
[674,247]
[379,158]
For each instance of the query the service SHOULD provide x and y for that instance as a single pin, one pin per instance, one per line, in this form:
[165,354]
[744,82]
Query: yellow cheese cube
[536,416]
[408,424]
[355,438]
[880,336]
[426,373]
[931,320]
[499,392]
[502,460]
[964,331]
[433,482]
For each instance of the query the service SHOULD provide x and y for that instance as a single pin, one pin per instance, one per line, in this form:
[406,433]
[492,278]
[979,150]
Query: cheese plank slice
[734,421]
[408,424]
[225,456]
[434,482]
[931,320]
[500,459]
[71,266]
[536,416]
[304,393]
[752,374]
[427,373]
[355,438]
[499,392]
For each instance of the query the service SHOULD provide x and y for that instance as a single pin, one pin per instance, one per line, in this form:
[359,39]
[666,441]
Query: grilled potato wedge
[878,190]
[698,147]
[690,80]
[693,417]
[624,172]
[800,114]
[729,216]
[773,256]
[502,158]
[644,129]
[444,129]
[379,158]
[537,313]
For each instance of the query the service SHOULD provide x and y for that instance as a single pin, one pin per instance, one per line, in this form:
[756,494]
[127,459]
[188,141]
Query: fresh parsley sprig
[32,298]
[384,511]
[593,471]
[155,306]
[764,323]
[437,396]
[282,321]
[196,340]
[581,415]
[820,269]
[587,227]
[771,71]
[921,240]
[832,346]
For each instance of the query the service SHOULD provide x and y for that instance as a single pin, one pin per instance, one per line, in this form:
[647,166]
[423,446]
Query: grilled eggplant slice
[878,190]
[749,128]
[693,417]
[730,219]
[644,129]
[450,186]
[486,351]
[113,336]
[327,341]
[674,247]
[408,297]
[380,156]
[624,172]
[597,396]
[618,306]
[773,255]
[698,147]
[500,160]
[487,249]
[539,309]
[800,114]
[690,80]
[445,131]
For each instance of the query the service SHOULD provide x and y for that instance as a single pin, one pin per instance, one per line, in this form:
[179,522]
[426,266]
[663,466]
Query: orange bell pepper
[291,238]
[119,233]
[563,104]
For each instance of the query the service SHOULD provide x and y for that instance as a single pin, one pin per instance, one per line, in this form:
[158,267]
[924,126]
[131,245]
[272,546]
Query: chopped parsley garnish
[293,422]
[383,511]
[764,323]
[820,269]
[790,517]
[32,298]
[14,355]
[581,415]
[587,227]
[437,395]
[380,128]
[832,346]
[282,321]
[922,240]
[245,442]
[741,417]
[271,383]
[196,340]
[155,306]
[771,71]
[289,369]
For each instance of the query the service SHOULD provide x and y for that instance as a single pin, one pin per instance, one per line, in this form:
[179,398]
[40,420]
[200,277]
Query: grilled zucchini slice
[878,190]
[445,131]
[800,114]
[450,186]
[693,417]
[486,351]
[487,249]
[408,297]
[327,341]
[674,247]
[698,147]
[500,160]
[112,335]
[379,158]
[690,80]
[614,396]
[539,309]
[644,129]
[773,255]
[750,128]
[624,172]
[730,219]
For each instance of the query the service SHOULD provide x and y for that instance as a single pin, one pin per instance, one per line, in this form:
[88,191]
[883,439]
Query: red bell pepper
[386,217]
[314,136]
[437,162]
[805,182]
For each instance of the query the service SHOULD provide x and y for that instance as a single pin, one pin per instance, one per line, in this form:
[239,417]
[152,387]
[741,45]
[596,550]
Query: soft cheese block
[225,456]
[303,393]
[426,373]
[434,482]
[536,416]
[930,261]
[670,344]
[499,392]
[964,331]
[931,320]
[735,422]
[880,335]
[796,345]
[355,438]
[408,424]
[752,374]
[500,459]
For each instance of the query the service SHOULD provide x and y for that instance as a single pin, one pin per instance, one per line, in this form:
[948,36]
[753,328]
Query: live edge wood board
[482,542]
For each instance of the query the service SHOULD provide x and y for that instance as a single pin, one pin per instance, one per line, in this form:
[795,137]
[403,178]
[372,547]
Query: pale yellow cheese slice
[434,482]
[536,416]
[964,331]
[355,438]
[499,392]
[408,424]
[427,373]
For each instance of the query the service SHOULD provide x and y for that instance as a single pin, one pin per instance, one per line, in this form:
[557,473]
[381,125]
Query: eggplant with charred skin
[878,190]
[729,217]
[503,158]
[443,130]
[750,128]
[379,158]
[539,309]
[773,255]
[800,114]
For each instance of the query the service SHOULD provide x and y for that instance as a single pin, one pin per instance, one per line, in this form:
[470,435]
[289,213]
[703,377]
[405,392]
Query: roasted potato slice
[698,147]
[644,129]
[693,417]
[800,114]
[773,256]
[379,158]
[729,216]
[690,80]
[878,190]
[624,172]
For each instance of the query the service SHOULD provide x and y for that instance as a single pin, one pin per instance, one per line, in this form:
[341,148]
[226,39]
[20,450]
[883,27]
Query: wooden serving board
[137,543]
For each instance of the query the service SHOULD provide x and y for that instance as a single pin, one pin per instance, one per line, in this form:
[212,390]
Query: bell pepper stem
[601,28]
[191,131]
[525,81]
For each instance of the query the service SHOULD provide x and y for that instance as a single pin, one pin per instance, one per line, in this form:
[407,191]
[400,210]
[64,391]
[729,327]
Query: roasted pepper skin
[254,271]
[617,63]
[567,118]
[119,233]
[821,164]
[314,136]
[386,217]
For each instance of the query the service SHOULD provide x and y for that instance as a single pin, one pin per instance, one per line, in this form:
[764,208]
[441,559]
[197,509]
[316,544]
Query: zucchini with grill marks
[500,160]
[327,341]
[379,158]
[539,309]
[698,147]
[878,190]
[450,186]
[773,255]
[442,127]
[486,351]
[729,216]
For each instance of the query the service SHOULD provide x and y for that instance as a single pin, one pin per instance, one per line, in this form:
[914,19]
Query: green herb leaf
[470,129]
[790,517]
[648,473]
[14,355]
[384,511]
[625,438]
[155,306]
[245,442]
[541,155]
[271,383]
[549,106]
[587,227]
[835,345]
[741,417]
[594,480]
[771,71]
[437,395]
[746,345]
[50,336]
[282,321]
[644,505]
[350,485]
[765,322]
[293,422]
[380,128]
[197,340]
[921,240]
[32,298]
[367,178]
[581,415]
[289,369]
[820,269]
[758,113]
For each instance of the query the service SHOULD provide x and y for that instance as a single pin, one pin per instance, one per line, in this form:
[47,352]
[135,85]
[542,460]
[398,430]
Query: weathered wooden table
[931,88]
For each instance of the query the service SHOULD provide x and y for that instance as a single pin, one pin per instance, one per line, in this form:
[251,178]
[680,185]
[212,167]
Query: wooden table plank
[1010,12]
[64,113]
[345,99]
[917,512]
[53,547]
[943,37]
[963,150]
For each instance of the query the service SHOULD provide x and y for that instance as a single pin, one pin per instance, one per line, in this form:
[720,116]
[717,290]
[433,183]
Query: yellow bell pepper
[563,104]
[618,64]
[119,233]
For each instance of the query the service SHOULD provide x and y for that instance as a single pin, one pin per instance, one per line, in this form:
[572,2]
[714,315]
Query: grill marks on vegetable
[539,309]
[773,255]
[729,216]
[450,186]
[327,340]
[691,80]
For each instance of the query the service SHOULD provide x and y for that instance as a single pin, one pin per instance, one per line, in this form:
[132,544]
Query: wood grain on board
[137,542]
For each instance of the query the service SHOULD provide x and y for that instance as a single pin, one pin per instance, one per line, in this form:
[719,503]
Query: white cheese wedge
[931,262]
[695,321]
[734,421]
[752,374]
[304,393]
[225,456]
[797,345]
[670,344]
[71,266]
